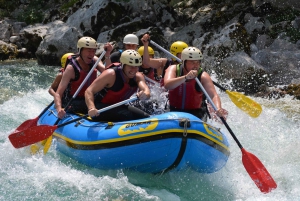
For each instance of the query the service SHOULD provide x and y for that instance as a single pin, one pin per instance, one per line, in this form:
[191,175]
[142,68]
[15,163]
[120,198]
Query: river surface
[274,137]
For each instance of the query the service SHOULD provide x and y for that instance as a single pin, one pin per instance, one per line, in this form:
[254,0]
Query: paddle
[252,164]
[32,122]
[12,136]
[38,133]
[243,102]
[83,83]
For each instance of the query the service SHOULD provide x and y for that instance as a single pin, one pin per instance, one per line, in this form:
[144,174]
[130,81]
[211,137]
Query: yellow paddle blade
[47,144]
[34,149]
[246,104]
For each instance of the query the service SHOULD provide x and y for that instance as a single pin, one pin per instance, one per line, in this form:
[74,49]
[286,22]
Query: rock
[294,90]
[5,30]
[263,41]
[218,46]
[23,53]
[14,39]
[236,39]
[7,50]
[281,59]
[49,51]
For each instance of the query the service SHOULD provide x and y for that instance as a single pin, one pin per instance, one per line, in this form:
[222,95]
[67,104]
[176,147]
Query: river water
[274,137]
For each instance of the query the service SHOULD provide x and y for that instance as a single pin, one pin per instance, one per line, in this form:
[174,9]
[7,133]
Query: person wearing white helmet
[130,42]
[73,75]
[117,84]
[184,92]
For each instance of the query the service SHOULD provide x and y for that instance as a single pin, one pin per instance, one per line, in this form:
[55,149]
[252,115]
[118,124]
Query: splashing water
[157,104]
[273,137]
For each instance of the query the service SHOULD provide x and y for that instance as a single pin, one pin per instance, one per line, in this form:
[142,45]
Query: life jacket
[150,73]
[80,75]
[186,96]
[120,90]
[113,64]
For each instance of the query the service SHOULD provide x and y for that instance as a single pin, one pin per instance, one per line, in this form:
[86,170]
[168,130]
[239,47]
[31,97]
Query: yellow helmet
[177,47]
[141,50]
[64,58]
[131,58]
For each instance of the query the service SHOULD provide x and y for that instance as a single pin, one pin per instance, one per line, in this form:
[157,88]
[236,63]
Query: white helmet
[191,53]
[131,39]
[86,42]
[131,58]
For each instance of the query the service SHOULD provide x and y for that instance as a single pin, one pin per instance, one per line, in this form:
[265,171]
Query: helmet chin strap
[79,52]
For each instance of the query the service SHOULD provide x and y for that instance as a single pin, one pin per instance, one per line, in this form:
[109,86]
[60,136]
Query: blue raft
[169,141]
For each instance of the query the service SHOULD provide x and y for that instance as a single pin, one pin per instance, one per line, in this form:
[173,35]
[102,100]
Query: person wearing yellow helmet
[117,84]
[184,93]
[177,47]
[73,75]
[150,51]
[65,59]
[161,63]
[152,73]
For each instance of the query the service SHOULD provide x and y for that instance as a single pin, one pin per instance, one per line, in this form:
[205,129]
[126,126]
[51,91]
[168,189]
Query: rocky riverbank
[251,44]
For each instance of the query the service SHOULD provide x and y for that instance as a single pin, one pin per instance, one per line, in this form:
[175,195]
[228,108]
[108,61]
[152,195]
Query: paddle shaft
[241,101]
[89,74]
[179,60]
[219,86]
[99,111]
[46,108]
[150,80]
[39,133]
[165,51]
[215,108]
[83,83]
[256,170]
[252,164]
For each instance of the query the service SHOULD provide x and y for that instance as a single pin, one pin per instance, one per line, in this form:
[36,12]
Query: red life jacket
[79,77]
[185,96]
[150,73]
[120,90]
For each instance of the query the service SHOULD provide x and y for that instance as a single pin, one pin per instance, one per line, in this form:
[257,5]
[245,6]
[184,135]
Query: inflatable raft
[169,141]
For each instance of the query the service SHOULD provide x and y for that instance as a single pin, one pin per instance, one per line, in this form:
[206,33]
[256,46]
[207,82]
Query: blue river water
[274,137]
